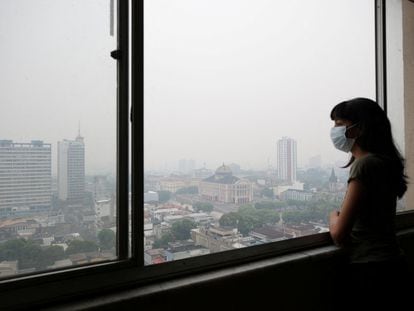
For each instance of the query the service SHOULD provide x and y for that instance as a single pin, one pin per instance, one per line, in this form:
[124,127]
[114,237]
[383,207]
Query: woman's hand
[333,216]
[341,223]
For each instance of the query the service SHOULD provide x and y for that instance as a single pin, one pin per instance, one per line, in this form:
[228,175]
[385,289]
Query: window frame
[60,285]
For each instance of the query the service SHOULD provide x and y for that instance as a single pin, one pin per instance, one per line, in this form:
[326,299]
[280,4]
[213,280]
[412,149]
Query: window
[58,141]
[229,65]
[237,103]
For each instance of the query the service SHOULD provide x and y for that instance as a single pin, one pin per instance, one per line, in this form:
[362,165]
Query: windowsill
[204,278]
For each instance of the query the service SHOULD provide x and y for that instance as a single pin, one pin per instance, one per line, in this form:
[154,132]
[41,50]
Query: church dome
[224,170]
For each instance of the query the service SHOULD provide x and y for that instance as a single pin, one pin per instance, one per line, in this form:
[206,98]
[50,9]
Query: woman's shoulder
[370,164]
[372,159]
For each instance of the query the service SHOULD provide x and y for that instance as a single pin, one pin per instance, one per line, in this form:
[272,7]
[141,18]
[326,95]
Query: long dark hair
[375,134]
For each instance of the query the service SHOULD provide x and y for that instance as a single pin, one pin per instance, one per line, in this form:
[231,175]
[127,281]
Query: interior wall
[408,54]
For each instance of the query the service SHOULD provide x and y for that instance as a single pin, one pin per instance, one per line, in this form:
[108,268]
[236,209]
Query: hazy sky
[224,79]
[55,72]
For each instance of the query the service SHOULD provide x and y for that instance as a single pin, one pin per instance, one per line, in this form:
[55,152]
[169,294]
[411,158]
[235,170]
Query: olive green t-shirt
[373,234]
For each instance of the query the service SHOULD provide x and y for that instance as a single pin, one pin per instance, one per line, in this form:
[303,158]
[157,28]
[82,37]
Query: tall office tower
[25,177]
[186,166]
[71,170]
[286,159]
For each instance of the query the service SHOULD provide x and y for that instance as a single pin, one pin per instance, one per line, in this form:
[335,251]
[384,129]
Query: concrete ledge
[153,294]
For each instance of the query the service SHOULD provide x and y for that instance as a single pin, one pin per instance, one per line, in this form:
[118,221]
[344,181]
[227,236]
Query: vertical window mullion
[122,131]
[137,210]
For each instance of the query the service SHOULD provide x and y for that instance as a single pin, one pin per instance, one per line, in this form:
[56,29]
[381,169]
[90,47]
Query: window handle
[116,54]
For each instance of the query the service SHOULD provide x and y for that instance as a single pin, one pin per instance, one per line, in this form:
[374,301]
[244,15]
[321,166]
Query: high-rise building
[286,159]
[25,177]
[71,170]
[186,166]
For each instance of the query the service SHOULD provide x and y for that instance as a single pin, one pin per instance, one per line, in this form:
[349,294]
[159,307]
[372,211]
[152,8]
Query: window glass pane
[57,134]
[237,101]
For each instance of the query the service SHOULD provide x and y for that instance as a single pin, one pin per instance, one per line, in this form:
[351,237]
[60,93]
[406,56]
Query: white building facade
[287,159]
[25,177]
[224,187]
[71,169]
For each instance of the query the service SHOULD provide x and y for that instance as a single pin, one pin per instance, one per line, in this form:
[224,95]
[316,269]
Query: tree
[205,207]
[29,254]
[181,229]
[267,216]
[32,257]
[77,246]
[247,208]
[264,205]
[280,204]
[229,220]
[54,253]
[164,196]
[12,249]
[106,239]
[246,224]
[163,242]
[292,217]
[267,192]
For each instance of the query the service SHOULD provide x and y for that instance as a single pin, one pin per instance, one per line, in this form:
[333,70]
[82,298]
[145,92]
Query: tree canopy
[77,246]
[164,196]
[203,206]
[29,254]
[106,238]
[248,217]
[181,230]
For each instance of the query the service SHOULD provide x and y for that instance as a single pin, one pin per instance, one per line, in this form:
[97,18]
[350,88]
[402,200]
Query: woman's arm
[340,223]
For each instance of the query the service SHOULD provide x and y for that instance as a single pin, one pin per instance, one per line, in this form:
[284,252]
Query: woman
[365,226]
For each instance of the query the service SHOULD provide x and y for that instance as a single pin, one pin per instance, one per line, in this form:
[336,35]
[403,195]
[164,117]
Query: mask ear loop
[349,127]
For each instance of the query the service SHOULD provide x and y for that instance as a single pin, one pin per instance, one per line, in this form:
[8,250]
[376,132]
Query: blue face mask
[339,139]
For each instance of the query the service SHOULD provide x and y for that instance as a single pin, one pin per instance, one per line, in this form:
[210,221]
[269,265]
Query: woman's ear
[356,132]
[353,132]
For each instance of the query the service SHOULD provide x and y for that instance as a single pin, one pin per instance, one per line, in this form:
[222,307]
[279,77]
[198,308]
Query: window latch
[116,54]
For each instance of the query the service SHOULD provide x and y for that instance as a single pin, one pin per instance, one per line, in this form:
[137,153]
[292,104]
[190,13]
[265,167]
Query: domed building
[224,187]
